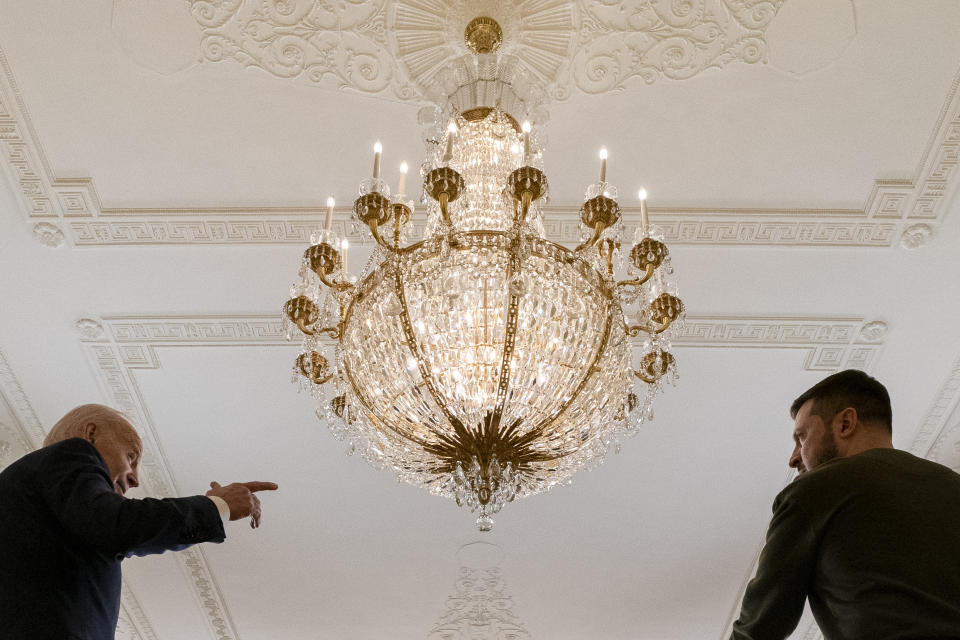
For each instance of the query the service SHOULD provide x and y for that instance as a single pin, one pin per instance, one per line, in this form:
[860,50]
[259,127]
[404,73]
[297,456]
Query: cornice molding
[896,211]
[831,344]
[130,342]
[113,364]
[680,226]
[940,428]
[25,434]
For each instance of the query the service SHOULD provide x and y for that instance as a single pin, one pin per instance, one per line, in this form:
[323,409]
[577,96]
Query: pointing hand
[240,497]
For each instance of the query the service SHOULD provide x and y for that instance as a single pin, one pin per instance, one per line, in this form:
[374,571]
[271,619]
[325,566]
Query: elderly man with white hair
[65,526]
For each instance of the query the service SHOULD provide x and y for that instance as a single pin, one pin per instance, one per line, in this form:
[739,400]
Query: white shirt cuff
[222,507]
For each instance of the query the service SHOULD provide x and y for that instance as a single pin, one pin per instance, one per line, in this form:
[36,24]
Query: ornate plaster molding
[939,422]
[22,434]
[479,607]
[831,344]
[916,235]
[12,395]
[891,209]
[404,48]
[114,364]
[48,234]
[701,227]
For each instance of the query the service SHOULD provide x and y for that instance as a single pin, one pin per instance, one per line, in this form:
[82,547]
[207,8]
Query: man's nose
[132,479]
[796,461]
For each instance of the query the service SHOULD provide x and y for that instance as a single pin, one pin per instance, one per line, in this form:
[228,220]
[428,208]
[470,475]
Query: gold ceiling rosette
[484,363]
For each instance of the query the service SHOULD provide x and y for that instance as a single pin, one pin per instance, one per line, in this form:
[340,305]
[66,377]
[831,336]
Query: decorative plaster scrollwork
[5,448]
[89,328]
[408,45]
[479,608]
[341,45]
[48,234]
[873,331]
[916,235]
[650,39]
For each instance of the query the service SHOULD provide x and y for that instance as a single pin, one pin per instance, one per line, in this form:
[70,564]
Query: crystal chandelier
[484,363]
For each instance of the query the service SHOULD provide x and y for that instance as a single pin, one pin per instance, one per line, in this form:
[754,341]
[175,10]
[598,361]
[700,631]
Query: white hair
[74,423]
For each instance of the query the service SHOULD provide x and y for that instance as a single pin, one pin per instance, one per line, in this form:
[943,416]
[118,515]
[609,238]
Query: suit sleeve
[773,602]
[77,488]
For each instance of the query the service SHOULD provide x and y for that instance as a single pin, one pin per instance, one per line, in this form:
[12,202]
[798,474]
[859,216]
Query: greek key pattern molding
[70,208]
[830,343]
[680,226]
[114,364]
[22,433]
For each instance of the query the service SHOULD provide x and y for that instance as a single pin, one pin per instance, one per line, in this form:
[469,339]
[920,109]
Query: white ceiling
[787,193]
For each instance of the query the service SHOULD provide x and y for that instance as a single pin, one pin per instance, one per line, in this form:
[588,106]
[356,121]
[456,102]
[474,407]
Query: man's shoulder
[65,452]
[865,465]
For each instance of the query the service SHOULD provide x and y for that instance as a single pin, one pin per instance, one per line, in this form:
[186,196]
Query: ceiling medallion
[483,35]
[484,363]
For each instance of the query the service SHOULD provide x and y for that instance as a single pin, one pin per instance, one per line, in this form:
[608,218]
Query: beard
[828,449]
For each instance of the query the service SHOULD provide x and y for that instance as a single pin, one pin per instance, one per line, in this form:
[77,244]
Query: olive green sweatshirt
[873,540]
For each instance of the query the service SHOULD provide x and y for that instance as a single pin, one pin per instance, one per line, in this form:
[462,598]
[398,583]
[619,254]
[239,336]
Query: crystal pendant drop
[484,522]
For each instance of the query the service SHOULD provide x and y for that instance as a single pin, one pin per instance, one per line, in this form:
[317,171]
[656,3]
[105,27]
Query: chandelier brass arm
[315,367]
[654,365]
[636,282]
[527,185]
[303,312]
[444,185]
[375,232]
[401,216]
[597,230]
[634,330]
[336,285]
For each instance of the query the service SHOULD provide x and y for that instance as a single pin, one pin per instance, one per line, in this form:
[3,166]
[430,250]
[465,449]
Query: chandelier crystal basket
[484,363]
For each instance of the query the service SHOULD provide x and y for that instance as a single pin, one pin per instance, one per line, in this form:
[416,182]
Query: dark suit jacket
[63,533]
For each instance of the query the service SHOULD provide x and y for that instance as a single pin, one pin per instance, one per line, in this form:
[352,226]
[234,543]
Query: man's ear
[90,432]
[846,422]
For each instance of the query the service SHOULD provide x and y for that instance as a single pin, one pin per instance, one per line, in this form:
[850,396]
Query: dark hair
[850,388]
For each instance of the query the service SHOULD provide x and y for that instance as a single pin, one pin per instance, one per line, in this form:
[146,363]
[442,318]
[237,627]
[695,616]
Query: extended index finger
[260,486]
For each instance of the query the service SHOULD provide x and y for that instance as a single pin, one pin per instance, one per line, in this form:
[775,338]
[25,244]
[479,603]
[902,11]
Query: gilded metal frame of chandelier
[499,440]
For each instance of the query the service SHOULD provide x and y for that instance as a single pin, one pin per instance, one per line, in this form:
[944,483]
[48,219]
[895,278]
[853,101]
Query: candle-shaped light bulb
[402,187]
[328,223]
[344,245]
[525,127]
[377,150]
[451,134]
[603,164]
[644,219]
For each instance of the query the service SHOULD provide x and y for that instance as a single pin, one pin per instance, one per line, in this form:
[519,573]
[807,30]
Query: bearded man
[65,526]
[870,534]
